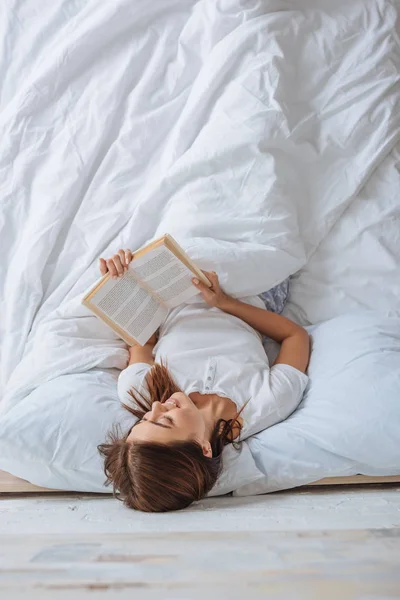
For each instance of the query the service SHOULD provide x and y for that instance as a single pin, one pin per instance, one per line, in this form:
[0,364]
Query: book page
[164,273]
[130,306]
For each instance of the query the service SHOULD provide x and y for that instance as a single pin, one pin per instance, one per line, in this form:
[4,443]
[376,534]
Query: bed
[265,138]
[9,484]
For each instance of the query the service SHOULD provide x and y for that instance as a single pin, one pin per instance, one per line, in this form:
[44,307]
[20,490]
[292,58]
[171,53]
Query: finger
[118,264]
[103,266]
[210,273]
[125,256]
[199,285]
[212,277]
[128,256]
[121,254]
[111,268]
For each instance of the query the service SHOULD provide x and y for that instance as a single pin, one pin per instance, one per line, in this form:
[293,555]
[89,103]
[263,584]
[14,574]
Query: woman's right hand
[117,265]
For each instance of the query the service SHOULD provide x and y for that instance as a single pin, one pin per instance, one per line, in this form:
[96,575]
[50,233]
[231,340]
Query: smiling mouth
[173,402]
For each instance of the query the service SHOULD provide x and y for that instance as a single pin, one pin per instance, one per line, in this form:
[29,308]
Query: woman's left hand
[215,295]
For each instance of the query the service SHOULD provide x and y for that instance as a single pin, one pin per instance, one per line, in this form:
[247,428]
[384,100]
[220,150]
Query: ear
[206,447]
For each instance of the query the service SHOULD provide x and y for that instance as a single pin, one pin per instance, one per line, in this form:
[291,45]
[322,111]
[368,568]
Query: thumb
[199,284]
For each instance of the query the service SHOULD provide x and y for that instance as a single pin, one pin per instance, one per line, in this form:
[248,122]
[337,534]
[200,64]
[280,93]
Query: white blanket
[357,266]
[243,129]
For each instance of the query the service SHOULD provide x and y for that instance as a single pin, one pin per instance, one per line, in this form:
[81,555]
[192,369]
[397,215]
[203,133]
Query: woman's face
[177,419]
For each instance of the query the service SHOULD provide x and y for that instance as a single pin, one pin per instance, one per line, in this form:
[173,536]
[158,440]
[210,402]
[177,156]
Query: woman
[217,384]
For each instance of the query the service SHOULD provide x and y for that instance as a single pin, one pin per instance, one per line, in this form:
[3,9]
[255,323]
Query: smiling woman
[172,454]
[218,384]
[185,418]
[176,420]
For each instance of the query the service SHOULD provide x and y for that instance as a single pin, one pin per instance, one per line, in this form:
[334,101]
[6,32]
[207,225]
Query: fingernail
[195,281]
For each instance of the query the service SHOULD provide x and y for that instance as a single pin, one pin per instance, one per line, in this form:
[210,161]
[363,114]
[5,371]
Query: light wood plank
[347,564]
[357,480]
[306,509]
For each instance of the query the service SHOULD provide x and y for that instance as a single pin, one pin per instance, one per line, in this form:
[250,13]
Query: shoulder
[287,378]
[132,376]
[277,393]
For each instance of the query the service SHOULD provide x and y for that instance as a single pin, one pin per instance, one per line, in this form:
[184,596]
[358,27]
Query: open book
[158,278]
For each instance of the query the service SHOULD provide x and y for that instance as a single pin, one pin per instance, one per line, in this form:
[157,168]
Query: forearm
[267,323]
[294,339]
[141,354]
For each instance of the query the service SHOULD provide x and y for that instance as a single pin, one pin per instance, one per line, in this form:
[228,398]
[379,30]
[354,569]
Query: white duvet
[248,131]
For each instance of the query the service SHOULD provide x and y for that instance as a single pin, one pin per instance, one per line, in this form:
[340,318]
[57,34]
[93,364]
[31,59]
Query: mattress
[9,484]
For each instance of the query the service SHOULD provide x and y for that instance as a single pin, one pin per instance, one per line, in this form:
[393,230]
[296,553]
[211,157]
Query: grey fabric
[275,299]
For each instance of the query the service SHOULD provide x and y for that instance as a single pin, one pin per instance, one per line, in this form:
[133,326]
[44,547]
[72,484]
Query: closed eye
[155,422]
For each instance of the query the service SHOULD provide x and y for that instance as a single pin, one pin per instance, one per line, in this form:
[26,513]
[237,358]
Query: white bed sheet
[246,131]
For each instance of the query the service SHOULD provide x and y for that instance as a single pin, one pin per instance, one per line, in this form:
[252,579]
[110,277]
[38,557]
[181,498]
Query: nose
[157,408]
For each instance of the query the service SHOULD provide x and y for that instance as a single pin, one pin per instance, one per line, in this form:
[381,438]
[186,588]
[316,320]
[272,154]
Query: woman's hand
[213,296]
[117,265]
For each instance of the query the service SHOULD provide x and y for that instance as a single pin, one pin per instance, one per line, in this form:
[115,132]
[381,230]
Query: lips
[172,402]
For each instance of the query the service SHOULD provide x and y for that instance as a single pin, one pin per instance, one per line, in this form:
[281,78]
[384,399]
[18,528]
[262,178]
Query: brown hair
[155,477]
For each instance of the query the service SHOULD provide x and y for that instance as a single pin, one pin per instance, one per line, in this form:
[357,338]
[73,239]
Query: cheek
[193,424]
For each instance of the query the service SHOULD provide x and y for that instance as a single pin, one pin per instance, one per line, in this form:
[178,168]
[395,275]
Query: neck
[213,408]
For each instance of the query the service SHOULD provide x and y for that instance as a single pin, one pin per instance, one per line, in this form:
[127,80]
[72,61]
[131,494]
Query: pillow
[50,438]
[275,299]
[349,420]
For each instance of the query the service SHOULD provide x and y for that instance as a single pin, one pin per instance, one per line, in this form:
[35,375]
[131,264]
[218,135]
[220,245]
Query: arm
[143,354]
[294,339]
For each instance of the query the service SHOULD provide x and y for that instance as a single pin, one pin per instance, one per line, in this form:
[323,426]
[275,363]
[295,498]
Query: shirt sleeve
[132,376]
[280,393]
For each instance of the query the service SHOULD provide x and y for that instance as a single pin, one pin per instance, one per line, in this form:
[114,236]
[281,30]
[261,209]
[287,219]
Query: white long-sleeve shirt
[212,352]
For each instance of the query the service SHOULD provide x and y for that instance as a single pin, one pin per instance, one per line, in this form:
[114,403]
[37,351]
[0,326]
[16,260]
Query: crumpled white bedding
[357,266]
[245,131]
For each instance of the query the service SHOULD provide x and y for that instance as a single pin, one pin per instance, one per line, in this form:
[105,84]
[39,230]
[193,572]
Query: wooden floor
[321,544]
[300,565]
